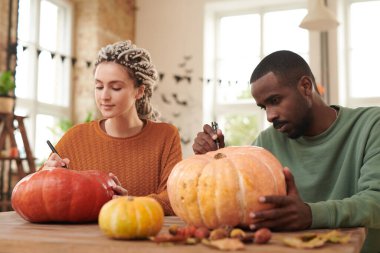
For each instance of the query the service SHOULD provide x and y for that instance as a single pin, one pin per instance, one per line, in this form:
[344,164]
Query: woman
[138,152]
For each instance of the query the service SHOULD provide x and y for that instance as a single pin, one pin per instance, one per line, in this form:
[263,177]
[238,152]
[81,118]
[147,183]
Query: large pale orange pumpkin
[222,187]
[131,217]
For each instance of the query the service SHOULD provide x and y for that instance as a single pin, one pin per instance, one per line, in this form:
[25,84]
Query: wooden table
[18,235]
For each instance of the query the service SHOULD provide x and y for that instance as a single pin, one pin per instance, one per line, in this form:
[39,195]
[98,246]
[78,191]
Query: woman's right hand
[54,161]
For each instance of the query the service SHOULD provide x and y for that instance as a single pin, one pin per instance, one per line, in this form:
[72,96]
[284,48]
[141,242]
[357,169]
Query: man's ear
[140,92]
[306,86]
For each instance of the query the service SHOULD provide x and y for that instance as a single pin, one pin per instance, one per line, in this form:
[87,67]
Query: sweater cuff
[320,215]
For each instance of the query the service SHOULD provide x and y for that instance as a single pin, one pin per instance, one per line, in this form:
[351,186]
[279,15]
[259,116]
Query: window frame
[31,106]
[211,108]
[346,81]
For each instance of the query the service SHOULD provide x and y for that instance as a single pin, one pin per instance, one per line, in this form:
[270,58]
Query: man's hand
[205,141]
[289,212]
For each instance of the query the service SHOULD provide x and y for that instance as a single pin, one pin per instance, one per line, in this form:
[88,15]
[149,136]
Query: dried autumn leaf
[168,238]
[335,236]
[313,240]
[297,242]
[308,236]
[224,244]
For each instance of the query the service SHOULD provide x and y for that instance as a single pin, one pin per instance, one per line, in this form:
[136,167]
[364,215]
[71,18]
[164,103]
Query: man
[333,152]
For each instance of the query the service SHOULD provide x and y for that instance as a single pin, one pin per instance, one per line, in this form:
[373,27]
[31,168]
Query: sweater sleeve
[362,208]
[172,157]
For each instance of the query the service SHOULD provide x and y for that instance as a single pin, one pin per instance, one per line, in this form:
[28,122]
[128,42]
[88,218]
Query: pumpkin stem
[219,156]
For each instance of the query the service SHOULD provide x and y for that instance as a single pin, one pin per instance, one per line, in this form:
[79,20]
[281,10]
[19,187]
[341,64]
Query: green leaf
[7,84]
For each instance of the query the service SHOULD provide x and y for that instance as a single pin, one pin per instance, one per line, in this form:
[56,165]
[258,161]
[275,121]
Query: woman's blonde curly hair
[139,65]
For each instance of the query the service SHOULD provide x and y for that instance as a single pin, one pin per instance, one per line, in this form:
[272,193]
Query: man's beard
[301,128]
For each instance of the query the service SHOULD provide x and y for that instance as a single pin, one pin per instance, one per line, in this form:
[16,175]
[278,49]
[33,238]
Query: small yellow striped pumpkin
[221,188]
[131,217]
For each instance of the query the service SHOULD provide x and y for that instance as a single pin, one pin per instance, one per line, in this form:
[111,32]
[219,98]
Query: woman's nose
[105,94]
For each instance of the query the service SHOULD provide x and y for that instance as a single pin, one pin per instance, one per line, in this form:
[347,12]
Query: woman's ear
[140,92]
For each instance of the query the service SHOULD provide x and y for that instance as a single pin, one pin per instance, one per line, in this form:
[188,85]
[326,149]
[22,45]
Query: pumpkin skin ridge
[141,228]
[111,219]
[206,196]
[173,187]
[180,172]
[74,187]
[135,208]
[47,185]
[241,191]
[241,195]
[20,200]
[150,214]
[251,171]
[180,211]
[273,175]
[173,177]
[197,201]
[98,195]
[180,190]
[201,212]
[269,157]
[280,185]
[132,226]
[102,189]
[43,196]
[72,203]
[159,224]
[226,211]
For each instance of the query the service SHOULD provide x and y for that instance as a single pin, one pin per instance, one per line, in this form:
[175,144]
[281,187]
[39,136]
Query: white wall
[171,30]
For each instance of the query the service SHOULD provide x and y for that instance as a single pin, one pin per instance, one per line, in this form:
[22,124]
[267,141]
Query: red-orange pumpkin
[222,187]
[62,195]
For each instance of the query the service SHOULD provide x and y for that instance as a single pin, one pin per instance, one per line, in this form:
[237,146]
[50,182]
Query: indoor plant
[7,89]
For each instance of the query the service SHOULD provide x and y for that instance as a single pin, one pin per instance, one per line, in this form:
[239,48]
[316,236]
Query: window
[43,69]
[241,41]
[363,53]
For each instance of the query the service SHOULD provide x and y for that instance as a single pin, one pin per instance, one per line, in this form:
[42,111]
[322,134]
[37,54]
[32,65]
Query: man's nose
[271,114]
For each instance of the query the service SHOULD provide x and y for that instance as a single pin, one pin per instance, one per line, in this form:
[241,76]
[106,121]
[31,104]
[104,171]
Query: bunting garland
[54,54]
[178,78]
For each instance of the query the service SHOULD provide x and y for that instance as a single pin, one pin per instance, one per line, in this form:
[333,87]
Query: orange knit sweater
[142,162]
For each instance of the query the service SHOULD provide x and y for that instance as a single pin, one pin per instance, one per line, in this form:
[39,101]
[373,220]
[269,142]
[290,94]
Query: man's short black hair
[286,65]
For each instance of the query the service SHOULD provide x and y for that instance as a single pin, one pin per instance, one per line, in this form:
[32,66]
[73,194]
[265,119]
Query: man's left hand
[289,212]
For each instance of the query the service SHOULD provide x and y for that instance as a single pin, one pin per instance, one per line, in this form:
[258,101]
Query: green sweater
[337,172]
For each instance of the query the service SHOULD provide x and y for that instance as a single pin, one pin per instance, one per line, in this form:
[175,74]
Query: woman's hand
[118,189]
[55,161]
